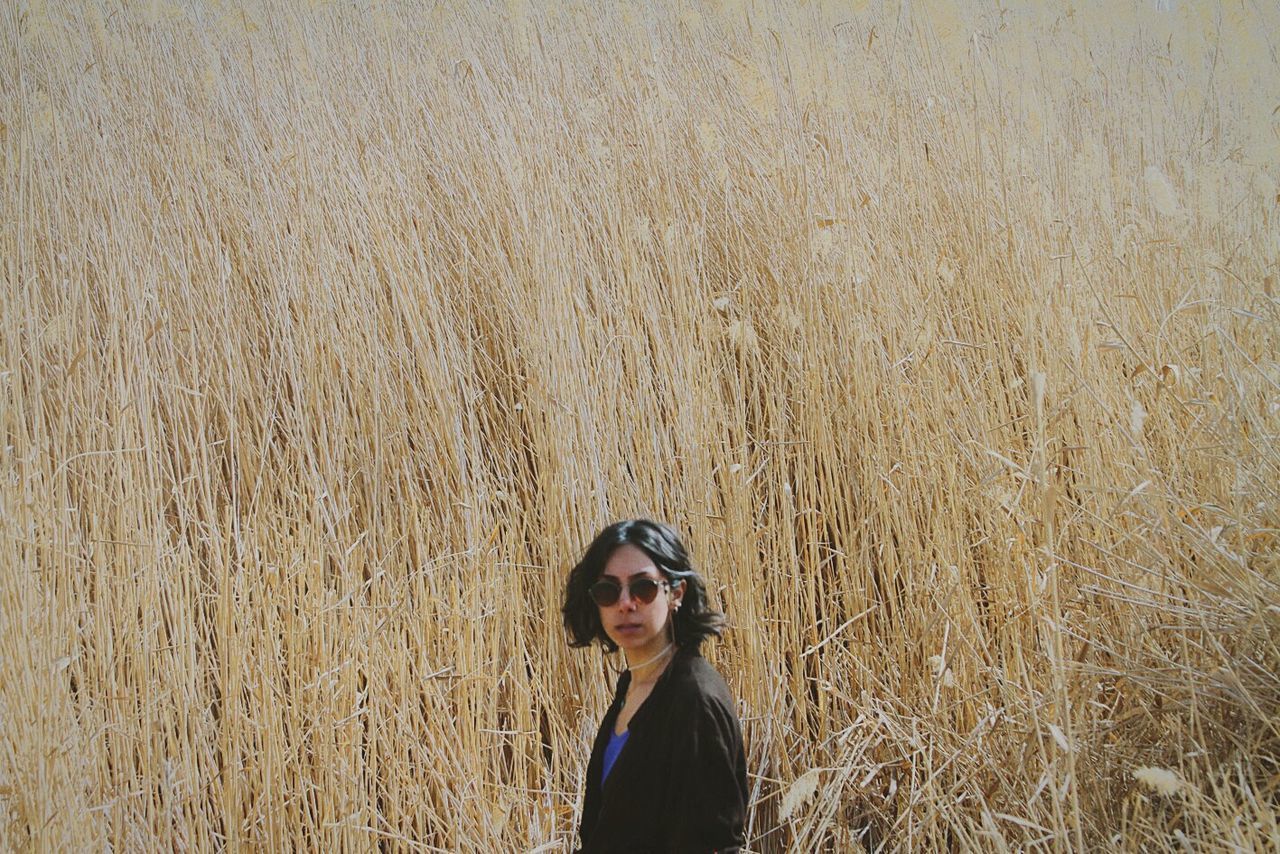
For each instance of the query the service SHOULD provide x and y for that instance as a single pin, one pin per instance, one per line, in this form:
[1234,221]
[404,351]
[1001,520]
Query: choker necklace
[634,667]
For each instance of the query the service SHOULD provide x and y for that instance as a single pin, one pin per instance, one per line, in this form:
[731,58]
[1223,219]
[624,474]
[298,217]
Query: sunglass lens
[645,589]
[604,594]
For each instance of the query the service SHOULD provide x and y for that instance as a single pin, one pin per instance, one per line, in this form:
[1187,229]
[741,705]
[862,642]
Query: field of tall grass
[332,332]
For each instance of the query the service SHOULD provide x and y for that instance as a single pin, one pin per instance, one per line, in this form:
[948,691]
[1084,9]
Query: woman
[667,771]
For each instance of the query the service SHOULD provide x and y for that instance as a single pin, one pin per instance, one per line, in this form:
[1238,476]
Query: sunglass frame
[615,591]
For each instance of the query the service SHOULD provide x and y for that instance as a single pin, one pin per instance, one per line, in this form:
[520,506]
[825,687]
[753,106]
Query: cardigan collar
[679,661]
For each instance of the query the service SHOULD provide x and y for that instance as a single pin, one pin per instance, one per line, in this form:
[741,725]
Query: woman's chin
[631,641]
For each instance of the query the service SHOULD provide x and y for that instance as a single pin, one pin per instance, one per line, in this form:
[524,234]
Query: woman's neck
[648,668]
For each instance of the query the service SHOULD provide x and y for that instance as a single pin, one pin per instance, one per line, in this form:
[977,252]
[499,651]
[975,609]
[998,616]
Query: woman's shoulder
[696,680]
[699,706]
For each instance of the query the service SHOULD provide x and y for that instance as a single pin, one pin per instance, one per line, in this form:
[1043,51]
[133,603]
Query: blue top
[611,751]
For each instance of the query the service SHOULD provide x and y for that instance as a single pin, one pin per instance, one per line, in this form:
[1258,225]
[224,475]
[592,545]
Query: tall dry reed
[332,332]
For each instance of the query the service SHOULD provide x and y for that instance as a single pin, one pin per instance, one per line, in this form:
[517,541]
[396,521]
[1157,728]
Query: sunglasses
[644,590]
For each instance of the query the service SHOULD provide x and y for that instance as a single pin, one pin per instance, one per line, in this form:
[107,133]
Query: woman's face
[637,627]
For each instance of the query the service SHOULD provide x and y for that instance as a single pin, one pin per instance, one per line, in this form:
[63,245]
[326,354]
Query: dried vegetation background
[331,332]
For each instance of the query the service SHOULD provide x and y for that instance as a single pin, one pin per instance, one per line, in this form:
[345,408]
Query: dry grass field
[332,332]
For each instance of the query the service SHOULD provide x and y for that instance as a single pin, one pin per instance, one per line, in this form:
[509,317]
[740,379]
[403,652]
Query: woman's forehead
[629,561]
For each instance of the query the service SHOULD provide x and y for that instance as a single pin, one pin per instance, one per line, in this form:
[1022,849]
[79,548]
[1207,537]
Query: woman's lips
[628,628]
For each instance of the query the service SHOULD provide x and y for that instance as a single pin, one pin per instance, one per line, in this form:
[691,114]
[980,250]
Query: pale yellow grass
[331,333]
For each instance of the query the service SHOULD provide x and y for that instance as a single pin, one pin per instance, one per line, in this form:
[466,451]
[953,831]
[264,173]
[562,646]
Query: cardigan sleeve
[708,789]
[595,765]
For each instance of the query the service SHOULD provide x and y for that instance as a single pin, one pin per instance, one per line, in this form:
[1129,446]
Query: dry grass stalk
[331,334]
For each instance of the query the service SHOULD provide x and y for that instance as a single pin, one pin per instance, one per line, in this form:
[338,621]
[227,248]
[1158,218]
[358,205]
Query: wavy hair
[692,622]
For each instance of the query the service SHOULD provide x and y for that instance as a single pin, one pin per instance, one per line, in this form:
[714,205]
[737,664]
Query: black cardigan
[680,783]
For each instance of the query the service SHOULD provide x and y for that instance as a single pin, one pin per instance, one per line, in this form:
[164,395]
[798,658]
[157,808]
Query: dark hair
[692,622]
